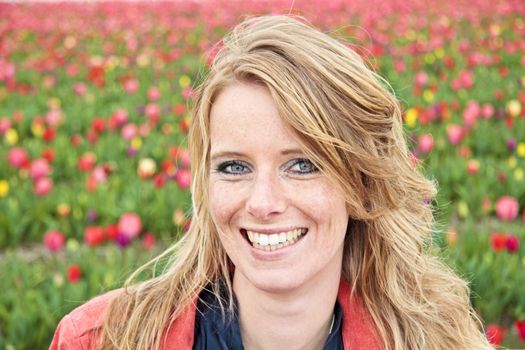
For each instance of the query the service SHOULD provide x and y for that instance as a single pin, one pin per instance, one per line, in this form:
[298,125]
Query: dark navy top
[217,331]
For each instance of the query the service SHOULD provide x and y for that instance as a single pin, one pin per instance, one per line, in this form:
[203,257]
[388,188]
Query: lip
[269,231]
[272,254]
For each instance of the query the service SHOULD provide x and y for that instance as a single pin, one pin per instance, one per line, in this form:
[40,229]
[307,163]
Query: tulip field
[94,114]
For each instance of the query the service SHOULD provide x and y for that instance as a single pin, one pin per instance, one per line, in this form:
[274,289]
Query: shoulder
[79,328]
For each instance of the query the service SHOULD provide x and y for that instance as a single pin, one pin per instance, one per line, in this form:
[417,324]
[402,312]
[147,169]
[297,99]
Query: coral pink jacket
[80,329]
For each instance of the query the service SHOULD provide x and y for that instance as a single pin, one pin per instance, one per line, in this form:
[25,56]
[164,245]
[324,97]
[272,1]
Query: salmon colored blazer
[80,328]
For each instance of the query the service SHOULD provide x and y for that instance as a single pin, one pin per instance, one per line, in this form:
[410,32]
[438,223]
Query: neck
[293,319]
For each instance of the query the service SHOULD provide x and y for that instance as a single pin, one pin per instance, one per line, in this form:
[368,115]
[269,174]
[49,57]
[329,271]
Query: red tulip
[94,235]
[130,225]
[520,328]
[98,124]
[507,208]
[112,231]
[74,273]
[512,243]
[498,241]
[148,241]
[87,161]
[495,334]
[54,241]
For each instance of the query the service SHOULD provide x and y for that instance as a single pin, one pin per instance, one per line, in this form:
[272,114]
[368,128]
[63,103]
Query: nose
[267,198]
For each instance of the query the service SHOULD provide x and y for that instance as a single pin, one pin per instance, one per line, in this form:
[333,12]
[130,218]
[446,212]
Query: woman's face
[280,220]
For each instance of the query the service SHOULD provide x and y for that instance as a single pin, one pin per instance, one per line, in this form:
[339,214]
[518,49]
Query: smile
[270,242]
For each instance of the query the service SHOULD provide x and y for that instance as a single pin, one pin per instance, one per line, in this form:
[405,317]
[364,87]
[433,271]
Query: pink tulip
[425,143]
[183,177]
[454,134]
[421,79]
[42,186]
[120,117]
[129,131]
[487,111]
[53,117]
[507,208]
[54,241]
[5,124]
[131,85]
[39,168]
[80,89]
[129,225]
[18,157]
[153,94]
[152,112]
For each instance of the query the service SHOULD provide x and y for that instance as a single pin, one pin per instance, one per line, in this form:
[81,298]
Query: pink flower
[507,208]
[42,186]
[183,177]
[425,143]
[421,78]
[512,243]
[153,93]
[54,241]
[18,157]
[39,168]
[80,89]
[129,131]
[152,112]
[5,124]
[130,225]
[130,85]
[473,167]
[454,134]
[53,117]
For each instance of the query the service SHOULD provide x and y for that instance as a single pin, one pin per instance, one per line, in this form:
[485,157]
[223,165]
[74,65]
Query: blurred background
[94,170]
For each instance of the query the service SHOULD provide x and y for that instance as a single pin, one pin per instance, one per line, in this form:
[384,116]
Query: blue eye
[233,167]
[303,166]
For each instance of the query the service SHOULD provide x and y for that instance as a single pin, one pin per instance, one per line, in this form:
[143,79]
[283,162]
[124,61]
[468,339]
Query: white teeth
[275,240]
[263,240]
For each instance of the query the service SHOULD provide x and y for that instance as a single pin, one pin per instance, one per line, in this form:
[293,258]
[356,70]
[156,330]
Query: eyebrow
[233,154]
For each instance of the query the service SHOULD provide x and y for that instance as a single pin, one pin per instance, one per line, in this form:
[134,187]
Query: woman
[310,222]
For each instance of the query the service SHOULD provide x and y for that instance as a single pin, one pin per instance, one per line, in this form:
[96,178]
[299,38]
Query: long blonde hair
[350,125]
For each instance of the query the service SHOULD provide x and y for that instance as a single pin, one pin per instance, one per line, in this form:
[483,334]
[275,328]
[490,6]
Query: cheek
[223,204]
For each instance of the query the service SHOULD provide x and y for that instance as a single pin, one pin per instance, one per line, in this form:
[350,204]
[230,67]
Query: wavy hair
[350,125]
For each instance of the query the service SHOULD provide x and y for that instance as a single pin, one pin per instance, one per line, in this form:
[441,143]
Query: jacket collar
[359,330]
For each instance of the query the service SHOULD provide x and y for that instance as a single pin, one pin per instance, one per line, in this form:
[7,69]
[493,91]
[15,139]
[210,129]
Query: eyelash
[312,169]
[223,167]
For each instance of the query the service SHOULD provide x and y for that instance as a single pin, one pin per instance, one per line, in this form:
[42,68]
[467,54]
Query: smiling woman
[310,225]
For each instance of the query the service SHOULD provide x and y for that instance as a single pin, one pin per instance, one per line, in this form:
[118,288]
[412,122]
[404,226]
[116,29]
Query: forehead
[245,115]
